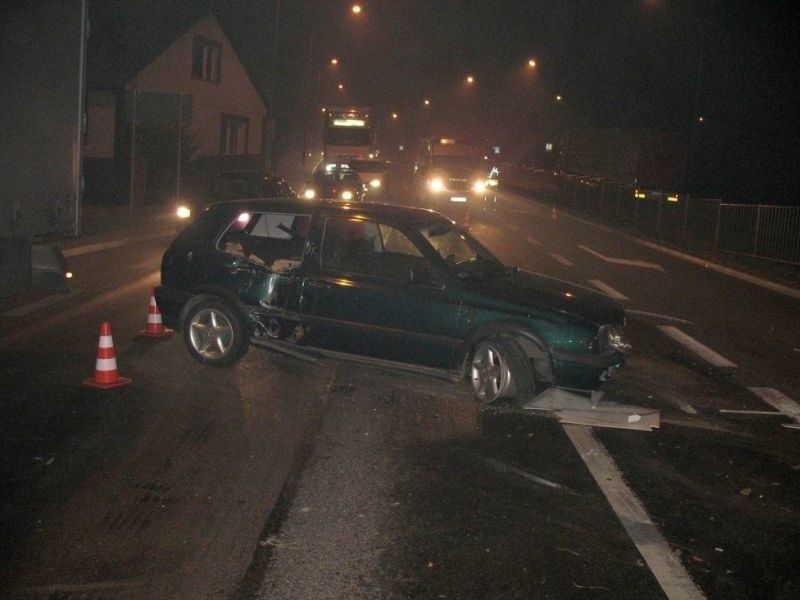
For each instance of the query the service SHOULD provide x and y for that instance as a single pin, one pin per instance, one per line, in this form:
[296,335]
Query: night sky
[653,64]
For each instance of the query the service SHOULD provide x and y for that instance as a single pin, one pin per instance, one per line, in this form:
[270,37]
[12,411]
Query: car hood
[536,291]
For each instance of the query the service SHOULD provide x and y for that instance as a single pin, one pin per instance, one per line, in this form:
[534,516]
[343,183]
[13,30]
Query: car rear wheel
[214,333]
[500,370]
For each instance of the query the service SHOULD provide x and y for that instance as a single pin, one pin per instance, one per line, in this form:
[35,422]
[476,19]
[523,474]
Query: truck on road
[347,133]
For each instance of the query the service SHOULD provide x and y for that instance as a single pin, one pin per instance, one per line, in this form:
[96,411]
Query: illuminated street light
[340,86]
[427,102]
[470,79]
[356,9]
[531,63]
[334,61]
[559,98]
[394,115]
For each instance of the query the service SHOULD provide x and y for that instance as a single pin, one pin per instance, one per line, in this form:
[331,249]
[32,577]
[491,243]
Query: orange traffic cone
[105,370]
[155,327]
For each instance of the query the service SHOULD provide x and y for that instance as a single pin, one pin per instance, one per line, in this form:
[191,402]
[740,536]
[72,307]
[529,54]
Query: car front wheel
[214,333]
[500,370]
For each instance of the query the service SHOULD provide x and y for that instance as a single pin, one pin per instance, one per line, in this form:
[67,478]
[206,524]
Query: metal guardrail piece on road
[567,407]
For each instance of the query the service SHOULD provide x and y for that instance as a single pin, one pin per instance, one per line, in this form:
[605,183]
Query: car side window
[377,250]
[275,240]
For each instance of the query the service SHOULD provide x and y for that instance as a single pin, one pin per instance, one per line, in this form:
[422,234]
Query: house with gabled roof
[159,116]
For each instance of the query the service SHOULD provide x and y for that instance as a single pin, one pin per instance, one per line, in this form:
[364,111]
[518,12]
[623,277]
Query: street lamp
[532,63]
[470,79]
[356,9]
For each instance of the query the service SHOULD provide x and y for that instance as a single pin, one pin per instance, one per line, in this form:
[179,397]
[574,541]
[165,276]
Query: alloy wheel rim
[489,374]
[211,333]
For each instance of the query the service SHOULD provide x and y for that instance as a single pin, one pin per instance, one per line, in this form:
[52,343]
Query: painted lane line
[533,241]
[623,261]
[667,569]
[704,352]
[779,401]
[562,260]
[644,313]
[26,309]
[88,249]
[608,290]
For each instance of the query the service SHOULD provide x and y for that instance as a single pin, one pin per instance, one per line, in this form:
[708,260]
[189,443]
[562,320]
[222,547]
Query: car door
[375,294]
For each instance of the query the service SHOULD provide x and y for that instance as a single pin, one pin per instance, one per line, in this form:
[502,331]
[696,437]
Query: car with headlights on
[386,285]
[374,174]
[336,182]
[232,185]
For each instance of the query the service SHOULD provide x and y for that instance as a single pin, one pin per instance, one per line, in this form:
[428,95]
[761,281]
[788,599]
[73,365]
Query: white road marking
[686,407]
[667,569]
[608,290]
[656,315]
[26,309]
[562,260]
[704,352]
[623,261]
[116,243]
[779,401]
[533,241]
[769,413]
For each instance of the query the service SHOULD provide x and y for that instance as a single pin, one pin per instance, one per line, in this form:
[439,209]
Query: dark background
[654,64]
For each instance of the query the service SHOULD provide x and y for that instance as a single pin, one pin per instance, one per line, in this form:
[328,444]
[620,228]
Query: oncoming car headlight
[347,195]
[612,337]
[479,187]
[375,183]
[436,184]
[309,194]
[183,212]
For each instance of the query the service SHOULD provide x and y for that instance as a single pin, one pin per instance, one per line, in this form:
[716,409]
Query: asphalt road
[285,479]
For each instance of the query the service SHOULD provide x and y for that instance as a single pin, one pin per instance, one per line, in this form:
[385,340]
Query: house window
[205,60]
[233,135]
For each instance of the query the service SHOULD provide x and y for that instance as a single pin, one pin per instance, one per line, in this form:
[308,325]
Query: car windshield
[462,252]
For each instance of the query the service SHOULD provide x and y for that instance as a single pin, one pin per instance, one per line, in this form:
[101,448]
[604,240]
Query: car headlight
[479,187]
[183,212]
[612,337]
[436,184]
[309,194]
[347,195]
[375,183]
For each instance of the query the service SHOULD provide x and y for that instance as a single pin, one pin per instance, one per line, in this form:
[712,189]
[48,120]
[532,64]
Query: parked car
[389,285]
[335,181]
[232,185]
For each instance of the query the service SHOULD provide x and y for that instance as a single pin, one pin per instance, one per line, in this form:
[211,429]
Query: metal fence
[758,230]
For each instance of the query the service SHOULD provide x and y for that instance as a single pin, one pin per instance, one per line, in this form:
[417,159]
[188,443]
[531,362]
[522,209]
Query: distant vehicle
[335,181]
[452,170]
[374,174]
[347,134]
[394,286]
[234,185]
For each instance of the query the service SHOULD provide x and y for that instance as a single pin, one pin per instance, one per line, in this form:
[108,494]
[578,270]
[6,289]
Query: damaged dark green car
[386,285]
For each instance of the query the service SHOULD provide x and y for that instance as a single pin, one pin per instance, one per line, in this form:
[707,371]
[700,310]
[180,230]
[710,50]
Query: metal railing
[758,230]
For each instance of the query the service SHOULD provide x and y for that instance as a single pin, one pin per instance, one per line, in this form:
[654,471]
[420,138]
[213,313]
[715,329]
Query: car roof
[403,214]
